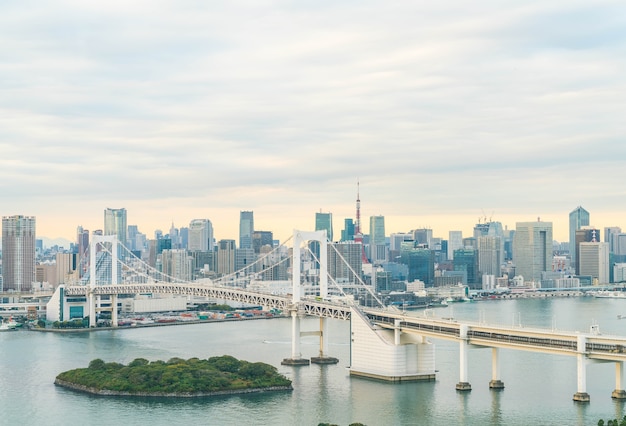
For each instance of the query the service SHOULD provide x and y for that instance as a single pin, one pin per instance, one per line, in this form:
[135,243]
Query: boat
[610,294]
[9,325]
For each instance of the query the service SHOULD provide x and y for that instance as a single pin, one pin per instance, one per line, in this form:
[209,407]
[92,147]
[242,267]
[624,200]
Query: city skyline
[444,112]
[219,234]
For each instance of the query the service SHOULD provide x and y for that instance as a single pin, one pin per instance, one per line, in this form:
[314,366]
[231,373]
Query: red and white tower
[358,236]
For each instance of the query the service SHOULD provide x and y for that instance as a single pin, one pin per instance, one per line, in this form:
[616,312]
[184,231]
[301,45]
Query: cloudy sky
[444,111]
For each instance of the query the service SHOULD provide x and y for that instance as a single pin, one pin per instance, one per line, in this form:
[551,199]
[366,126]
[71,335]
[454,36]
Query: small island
[222,375]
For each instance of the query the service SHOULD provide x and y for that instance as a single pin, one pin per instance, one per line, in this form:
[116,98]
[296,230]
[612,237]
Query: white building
[594,261]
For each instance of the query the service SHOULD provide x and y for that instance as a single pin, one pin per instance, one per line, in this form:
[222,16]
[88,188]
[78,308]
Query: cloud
[281,106]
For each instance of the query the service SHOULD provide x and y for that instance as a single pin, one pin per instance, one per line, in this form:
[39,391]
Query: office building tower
[594,261]
[466,260]
[82,241]
[420,262]
[423,237]
[18,253]
[586,234]
[578,218]
[347,271]
[200,235]
[532,249]
[455,242]
[347,234]
[246,228]
[261,239]
[610,236]
[176,264]
[489,255]
[324,222]
[115,224]
[378,246]
[226,257]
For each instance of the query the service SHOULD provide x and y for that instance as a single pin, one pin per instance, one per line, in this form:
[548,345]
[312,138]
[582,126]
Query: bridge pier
[323,358]
[619,392]
[581,362]
[296,356]
[114,310]
[495,382]
[463,384]
[92,308]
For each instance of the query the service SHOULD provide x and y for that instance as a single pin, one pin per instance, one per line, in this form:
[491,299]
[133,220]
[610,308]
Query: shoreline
[105,392]
[156,324]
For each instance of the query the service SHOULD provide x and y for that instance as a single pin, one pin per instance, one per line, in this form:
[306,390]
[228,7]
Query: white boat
[8,326]
[610,294]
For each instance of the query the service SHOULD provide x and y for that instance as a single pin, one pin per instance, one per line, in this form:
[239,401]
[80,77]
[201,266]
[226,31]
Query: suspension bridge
[384,343]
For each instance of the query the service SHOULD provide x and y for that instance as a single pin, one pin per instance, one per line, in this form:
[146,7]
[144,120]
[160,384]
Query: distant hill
[49,242]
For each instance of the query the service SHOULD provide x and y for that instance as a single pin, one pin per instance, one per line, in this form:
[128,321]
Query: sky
[444,112]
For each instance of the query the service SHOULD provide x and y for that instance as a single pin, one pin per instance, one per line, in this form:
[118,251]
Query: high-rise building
[200,235]
[610,236]
[337,267]
[324,222]
[115,224]
[586,234]
[578,218]
[262,239]
[594,261]
[18,253]
[489,255]
[466,260]
[420,262]
[378,246]
[246,229]
[455,242]
[423,237]
[532,249]
[226,257]
[347,234]
[176,264]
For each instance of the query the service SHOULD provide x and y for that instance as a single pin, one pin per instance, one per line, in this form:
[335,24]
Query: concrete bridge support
[581,361]
[390,355]
[323,357]
[296,356]
[495,382]
[463,384]
[619,392]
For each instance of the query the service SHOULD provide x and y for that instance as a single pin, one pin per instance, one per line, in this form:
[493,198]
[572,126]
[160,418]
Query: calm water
[539,387]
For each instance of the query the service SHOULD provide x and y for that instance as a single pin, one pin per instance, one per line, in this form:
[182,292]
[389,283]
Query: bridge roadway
[597,346]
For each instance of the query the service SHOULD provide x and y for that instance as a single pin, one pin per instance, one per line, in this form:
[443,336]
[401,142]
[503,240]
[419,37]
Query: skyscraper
[378,247]
[594,261]
[347,234]
[200,235]
[578,218]
[226,257]
[115,224]
[324,221]
[18,253]
[246,228]
[532,249]
[455,242]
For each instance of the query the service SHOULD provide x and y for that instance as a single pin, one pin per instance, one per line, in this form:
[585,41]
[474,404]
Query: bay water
[538,387]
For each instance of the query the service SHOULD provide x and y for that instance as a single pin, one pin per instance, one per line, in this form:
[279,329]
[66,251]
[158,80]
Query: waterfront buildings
[532,249]
[18,253]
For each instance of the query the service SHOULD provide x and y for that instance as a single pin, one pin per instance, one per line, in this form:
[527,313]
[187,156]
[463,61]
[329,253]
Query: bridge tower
[299,238]
[93,249]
